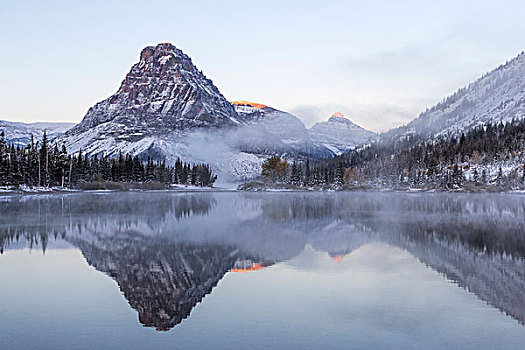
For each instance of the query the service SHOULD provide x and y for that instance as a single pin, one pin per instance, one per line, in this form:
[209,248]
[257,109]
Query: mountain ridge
[19,133]
[497,96]
[166,108]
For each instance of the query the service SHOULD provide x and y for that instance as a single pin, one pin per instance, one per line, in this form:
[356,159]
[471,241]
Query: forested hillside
[41,165]
[490,156]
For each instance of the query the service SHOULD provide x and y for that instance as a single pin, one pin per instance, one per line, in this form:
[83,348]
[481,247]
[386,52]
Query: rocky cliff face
[340,134]
[163,94]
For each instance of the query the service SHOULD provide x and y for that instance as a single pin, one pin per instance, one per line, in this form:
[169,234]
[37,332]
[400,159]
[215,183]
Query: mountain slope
[283,126]
[498,96]
[340,134]
[20,133]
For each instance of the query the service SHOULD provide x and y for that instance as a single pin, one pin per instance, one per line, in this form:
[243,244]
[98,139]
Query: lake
[235,270]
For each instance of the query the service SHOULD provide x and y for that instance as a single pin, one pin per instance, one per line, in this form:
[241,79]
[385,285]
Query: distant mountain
[498,96]
[340,134]
[285,127]
[20,133]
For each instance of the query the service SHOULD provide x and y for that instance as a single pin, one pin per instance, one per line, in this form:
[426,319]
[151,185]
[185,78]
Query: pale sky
[379,62]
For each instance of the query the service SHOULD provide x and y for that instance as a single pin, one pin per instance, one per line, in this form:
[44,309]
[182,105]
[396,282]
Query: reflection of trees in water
[485,224]
[39,218]
[478,241]
[282,207]
[491,224]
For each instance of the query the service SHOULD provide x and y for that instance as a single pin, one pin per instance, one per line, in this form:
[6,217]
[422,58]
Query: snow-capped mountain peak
[289,131]
[340,134]
[163,93]
[20,133]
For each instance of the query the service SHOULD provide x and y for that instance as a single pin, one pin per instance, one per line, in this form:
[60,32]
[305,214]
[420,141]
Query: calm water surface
[262,271]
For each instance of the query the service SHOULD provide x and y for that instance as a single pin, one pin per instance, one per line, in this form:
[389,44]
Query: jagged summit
[338,115]
[160,50]
[166,108]
[164,92]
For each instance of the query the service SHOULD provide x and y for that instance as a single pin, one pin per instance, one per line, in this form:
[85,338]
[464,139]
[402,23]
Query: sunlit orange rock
[254,267]
[246,103]
[339,115]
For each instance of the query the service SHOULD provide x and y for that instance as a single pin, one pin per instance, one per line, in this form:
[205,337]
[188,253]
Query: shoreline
[6,193]
[60,191]
[468,188]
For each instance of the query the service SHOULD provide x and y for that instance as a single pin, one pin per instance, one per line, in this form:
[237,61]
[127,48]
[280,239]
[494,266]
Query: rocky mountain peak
[162,93]
[338,117]
[244,107]
[340,134]
[162,54]
[150,52]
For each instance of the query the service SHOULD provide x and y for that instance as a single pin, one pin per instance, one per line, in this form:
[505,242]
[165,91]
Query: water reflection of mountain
[161,278]
[167,251]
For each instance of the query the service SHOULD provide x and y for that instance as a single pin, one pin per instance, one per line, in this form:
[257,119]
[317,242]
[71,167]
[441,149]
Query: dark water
[262,271]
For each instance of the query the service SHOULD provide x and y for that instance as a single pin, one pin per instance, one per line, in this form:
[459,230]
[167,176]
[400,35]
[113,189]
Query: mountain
[166,108]
[20,133]
[285,127]
[163,96]
[498,96]
[340,134]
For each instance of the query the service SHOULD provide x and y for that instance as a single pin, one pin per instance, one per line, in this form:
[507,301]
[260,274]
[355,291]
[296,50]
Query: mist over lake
[296,270]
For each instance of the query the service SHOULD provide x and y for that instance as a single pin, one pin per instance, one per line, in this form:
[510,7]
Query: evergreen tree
[39,165]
